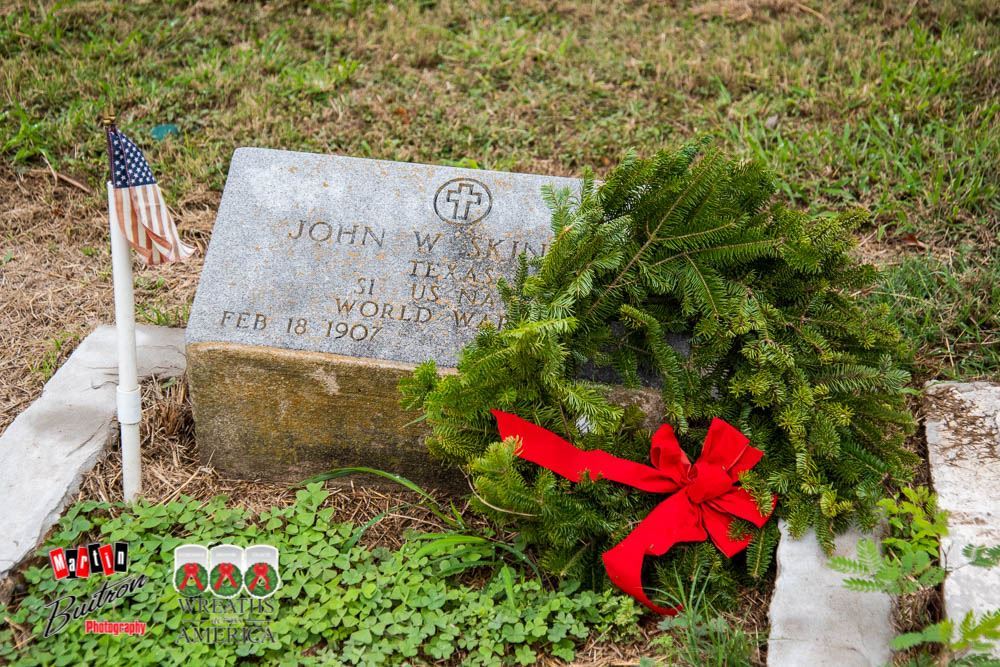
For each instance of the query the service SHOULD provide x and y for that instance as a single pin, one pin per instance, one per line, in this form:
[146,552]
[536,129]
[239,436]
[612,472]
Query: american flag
[137,205]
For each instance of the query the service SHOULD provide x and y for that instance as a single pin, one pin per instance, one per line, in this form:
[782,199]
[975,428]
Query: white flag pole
[129,401]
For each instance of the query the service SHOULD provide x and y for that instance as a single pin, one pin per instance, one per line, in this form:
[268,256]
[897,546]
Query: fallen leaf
[912,241]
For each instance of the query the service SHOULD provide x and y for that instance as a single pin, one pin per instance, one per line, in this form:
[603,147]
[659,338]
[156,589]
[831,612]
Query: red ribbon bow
[705,497]
[260,572]
[225,572]
[191,572]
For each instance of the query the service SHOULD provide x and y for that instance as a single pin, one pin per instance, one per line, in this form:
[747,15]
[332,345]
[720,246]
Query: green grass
[950,310]
[700,636]
[162,316]
[893,106]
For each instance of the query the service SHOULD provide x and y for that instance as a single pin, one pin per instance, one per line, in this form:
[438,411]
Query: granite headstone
[328,279]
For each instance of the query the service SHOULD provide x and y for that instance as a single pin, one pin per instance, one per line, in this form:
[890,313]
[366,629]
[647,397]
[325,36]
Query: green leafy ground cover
[339,603]
[908,563]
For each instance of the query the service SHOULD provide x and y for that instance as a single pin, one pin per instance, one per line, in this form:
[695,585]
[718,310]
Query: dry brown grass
[601,653]
[752,618]
[746,10]
[55,277]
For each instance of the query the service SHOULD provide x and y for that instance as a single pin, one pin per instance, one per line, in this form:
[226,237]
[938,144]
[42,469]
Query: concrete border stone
[815,621]
[47,449]
[963,448]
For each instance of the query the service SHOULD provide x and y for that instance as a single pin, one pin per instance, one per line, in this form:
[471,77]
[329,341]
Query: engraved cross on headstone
[465,194]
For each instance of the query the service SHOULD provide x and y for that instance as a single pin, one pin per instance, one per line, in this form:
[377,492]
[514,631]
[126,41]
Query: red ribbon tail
[545,448]
[674,520]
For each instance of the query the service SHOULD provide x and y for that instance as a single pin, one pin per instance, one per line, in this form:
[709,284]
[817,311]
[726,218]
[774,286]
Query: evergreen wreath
[782,345]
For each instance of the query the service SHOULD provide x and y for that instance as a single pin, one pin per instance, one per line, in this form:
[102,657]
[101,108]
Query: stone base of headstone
[272,414]
[285,415]
[963,448]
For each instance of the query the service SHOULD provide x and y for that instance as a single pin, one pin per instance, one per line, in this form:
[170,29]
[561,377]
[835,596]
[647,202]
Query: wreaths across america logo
[212,583]
[224,571]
